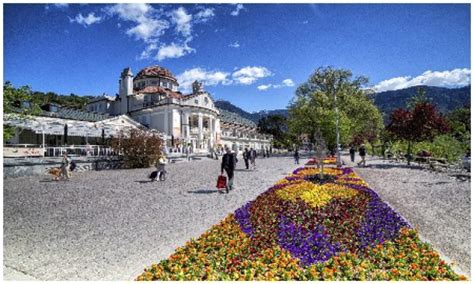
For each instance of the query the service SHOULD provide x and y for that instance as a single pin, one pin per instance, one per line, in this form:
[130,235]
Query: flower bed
[327,161]
[300,229]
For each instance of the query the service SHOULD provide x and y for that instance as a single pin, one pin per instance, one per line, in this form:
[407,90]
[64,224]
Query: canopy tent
[56,126]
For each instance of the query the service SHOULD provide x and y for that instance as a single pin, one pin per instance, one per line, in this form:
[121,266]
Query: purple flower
[381,222]
[242,215]
[310,246]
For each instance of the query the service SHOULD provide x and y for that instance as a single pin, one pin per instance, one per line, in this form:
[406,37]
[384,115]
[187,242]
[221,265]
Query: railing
[80,150]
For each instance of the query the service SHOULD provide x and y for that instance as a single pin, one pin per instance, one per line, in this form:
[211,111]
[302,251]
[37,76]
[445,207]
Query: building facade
[152,99]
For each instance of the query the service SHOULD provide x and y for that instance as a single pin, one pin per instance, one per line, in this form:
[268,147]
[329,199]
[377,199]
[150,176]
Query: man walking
[246,155]
[253,155]
[362,155]
[352,152]
[297,156]
[228,164]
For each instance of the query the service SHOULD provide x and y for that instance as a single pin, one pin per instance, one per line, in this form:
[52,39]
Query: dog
[55,172]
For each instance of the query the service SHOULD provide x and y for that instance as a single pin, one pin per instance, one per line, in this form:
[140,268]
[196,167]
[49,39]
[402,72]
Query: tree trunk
[409,152]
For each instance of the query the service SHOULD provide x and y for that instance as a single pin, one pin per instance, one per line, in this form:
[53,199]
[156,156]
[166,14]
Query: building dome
[155,71]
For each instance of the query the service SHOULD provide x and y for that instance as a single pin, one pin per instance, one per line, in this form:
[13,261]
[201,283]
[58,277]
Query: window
[154,82]
[206,100]
[196,101]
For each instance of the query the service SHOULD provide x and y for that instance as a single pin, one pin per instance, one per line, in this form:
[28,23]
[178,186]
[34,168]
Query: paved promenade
[436,204]
[109,225]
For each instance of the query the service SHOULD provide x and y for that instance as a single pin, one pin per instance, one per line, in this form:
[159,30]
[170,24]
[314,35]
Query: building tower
[125,89]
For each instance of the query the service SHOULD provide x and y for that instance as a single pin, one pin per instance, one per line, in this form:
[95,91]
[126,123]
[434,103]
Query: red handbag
[221,182]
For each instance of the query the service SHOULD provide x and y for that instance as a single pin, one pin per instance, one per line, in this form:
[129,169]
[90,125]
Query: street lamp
[338,153]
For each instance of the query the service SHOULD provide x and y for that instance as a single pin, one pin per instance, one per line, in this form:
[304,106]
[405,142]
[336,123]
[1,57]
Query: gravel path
[109,225]
[436,204]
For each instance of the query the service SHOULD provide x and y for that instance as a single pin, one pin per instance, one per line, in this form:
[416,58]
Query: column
[187,127]
[166,126]
[200,126]
[211,131]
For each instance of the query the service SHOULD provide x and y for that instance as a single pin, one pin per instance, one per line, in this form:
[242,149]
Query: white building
[152,99]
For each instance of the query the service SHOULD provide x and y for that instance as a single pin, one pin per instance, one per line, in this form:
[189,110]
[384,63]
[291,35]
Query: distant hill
[445,99]
[228,106]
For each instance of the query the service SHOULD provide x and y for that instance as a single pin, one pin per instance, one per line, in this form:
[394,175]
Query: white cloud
[208,78]
[284,83]
[149,27]
[234,44]
[288,83]
[147,52]
[238,7]
[182,20]
[173,51]
[454,78]
[86,21]
[249,75]
[204,15]
[264,87]
[61,5]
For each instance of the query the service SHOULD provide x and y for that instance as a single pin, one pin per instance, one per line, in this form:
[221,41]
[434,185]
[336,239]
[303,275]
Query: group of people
[362,153]
[229,162]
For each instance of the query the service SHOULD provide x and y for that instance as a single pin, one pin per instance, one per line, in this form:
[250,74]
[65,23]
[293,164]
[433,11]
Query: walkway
[436,204]
[109,225]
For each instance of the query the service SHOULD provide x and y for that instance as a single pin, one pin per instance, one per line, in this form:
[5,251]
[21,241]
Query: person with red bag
[229,160]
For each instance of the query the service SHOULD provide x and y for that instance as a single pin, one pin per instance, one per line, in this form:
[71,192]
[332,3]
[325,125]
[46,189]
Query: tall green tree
[20,101]
[313,107]
[276,125]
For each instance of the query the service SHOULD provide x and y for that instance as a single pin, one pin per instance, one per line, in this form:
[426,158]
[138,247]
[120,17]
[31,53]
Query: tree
[18,101]
[276,125]
[312,108]
[139,148]
[422,123]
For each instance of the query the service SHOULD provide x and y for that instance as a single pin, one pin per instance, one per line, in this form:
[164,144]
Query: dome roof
[155,71]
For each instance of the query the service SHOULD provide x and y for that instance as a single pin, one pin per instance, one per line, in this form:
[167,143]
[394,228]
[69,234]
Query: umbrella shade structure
[110,127]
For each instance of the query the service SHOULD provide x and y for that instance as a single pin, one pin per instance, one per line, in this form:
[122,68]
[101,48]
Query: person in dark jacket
[246,155]
[362,155]
[352,152]
[229,160]
[296,155]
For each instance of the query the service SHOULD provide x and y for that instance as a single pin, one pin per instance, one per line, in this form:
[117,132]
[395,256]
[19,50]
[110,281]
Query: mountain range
[444,98]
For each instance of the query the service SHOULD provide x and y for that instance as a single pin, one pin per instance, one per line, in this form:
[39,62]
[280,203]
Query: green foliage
[18,100]
[312,109]
[276,125]
[442,146]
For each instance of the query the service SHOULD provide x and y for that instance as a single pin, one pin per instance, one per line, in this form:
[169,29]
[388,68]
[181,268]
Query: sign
[16,152]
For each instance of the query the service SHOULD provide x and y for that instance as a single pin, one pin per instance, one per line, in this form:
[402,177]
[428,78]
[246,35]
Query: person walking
[296,155]
[362,155]
[228,164]
[246,155]
[352,152]
[268,153]
[65,166]
[253,155]
[188,153]
[160,168]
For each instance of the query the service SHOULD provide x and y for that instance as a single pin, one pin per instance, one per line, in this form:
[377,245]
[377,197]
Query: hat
[362,145]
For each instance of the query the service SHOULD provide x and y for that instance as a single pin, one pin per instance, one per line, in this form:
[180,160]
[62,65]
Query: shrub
[139,148]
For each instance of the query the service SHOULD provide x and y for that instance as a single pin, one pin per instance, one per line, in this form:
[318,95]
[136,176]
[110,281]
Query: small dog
[55,172]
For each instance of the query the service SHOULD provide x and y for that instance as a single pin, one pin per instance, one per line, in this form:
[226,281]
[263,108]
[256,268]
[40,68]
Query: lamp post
[338,153]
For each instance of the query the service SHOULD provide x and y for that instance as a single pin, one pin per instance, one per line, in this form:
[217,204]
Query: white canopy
[55,126]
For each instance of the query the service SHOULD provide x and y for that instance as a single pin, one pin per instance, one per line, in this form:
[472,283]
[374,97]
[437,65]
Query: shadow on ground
[203,191]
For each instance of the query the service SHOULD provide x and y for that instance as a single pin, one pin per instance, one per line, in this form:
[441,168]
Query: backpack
[72,166]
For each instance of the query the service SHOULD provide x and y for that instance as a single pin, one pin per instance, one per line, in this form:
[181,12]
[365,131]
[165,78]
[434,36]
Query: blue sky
[254,55]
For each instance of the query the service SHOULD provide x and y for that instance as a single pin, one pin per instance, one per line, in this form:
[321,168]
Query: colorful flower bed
[300,229]
[327,161]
